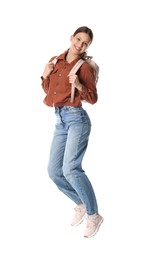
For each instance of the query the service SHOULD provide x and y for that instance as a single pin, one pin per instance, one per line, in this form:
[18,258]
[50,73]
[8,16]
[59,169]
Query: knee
[68,172]
[72,171]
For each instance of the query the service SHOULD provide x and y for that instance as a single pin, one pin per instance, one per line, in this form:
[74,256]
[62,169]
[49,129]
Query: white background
[34,216]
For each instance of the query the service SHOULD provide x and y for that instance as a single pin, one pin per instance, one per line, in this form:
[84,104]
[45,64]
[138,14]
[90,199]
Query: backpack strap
[77,66]
[54,61]
[73,71]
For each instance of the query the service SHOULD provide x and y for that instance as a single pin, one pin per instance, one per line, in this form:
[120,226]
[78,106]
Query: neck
[70,57]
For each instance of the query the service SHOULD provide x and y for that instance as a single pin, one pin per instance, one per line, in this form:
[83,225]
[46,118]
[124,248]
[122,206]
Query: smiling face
[80,43]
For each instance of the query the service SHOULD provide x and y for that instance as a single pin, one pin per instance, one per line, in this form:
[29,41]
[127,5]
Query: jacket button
[54,92]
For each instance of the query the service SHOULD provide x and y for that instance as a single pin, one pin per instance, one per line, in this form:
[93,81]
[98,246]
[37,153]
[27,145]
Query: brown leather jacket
[58,88]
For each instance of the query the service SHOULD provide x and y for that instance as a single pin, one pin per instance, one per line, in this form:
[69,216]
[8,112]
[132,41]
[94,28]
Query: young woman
[72,128]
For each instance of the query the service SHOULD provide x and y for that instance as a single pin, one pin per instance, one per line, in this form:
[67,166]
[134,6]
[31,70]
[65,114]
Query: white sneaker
[79,216]
[93,225]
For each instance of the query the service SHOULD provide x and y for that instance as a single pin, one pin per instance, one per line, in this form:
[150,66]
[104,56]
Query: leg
[55,165]
[75,148]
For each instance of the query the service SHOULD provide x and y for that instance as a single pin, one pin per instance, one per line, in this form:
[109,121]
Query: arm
[45,77]
[85,83]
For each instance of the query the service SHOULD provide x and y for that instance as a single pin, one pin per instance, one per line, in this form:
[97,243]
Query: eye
[78,39]
[86,44]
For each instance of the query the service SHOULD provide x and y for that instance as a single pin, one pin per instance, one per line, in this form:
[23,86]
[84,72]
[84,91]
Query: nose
[80,44]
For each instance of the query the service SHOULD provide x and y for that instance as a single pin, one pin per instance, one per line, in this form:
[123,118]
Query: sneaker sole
[96,229]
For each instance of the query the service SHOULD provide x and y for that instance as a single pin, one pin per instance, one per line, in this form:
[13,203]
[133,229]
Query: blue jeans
[68,147]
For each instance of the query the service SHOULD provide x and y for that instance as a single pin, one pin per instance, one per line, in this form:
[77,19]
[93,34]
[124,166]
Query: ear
[71,38]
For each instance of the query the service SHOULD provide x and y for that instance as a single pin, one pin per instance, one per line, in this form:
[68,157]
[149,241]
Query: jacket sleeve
[45,84]
[87,79]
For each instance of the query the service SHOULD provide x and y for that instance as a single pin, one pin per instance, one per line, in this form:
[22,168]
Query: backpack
[75,68]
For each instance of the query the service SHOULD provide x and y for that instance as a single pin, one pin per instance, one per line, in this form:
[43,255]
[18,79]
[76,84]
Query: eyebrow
[83,41]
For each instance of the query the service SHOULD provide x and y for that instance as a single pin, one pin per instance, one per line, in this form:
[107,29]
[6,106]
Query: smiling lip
[77,48]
